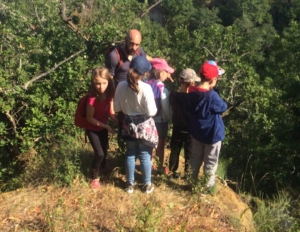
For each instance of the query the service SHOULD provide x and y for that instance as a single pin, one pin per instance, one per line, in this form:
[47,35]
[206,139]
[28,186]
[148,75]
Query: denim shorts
[162,129]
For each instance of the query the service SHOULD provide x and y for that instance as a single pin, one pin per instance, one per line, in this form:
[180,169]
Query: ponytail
[133,80]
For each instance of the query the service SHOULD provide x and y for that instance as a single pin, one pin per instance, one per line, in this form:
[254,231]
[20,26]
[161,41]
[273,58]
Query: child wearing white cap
[180,135]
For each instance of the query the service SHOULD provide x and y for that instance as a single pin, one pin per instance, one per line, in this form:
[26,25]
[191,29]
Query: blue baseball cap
[140,64]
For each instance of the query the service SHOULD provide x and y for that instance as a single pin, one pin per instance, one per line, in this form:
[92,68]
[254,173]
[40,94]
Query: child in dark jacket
[204,110]
[180,135]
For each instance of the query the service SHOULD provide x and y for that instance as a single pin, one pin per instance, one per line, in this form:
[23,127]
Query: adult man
[118,62]
[119,59]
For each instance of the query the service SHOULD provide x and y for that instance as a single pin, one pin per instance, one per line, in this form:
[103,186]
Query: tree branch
[25,86]
[146,12]
[38,18]
[68,21]
[12,120]
[209,51]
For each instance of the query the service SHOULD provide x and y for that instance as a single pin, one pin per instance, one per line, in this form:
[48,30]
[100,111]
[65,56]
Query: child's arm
[218,105]
[90,118]
[116,102]
[149,101]
[165,105]
[112,113]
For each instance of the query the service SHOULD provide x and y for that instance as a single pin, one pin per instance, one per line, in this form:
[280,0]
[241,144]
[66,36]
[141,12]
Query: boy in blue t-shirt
[204,110]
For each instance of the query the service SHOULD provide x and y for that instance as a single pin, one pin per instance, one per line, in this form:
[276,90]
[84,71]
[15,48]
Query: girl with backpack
[159,73]
[135,99]
[99,109]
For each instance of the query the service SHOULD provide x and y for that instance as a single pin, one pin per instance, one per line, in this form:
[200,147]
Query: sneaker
[162,171]
[129,188]
[166,170]
[185,176]
[154,168]
[95,184]
[148,188]
[175,175]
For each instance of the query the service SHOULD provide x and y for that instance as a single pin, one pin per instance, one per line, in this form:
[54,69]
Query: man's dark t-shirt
[120,74]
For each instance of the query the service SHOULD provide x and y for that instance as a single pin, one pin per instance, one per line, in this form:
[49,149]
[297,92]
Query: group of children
[148,106]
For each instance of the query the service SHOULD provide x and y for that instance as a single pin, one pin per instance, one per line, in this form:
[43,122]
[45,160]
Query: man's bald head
[134,34]
[133,40]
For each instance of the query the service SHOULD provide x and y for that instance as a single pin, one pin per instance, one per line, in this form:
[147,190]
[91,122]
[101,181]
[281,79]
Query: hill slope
[78,208]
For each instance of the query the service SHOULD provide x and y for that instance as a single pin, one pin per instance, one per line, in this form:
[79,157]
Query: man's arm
[149,58]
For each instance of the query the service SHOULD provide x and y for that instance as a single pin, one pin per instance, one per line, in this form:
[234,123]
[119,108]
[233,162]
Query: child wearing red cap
[204,110]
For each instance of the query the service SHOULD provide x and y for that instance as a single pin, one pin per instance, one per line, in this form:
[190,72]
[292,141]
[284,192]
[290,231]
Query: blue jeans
[138,149]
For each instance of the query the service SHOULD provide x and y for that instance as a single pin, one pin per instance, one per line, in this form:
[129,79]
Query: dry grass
[48,208]
[78,208]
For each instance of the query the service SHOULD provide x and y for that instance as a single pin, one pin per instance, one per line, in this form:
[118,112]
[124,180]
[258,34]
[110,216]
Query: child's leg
[175,145]
[160,152]
[104,144]
[131,152]
[196,159]
[120,140]
[144,152]
[211,159]
[94,139]
[187,150]
[162,129]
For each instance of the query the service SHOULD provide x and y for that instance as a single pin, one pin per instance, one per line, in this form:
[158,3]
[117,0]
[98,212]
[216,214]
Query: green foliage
[222,168]
[179,13]
[38,112]
[147,216]
[284,12]
[260,85]
[275,214]
[59,163]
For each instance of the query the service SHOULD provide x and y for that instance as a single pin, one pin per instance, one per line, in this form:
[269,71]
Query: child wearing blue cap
[136,100]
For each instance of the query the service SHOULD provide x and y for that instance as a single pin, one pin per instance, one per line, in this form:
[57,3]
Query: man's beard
[130,51]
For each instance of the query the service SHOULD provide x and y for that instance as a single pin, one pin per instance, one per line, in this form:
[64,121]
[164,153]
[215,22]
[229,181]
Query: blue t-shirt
[204,112]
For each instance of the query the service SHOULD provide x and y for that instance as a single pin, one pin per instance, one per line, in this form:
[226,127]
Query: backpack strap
[85,136]
[120,61]
[119,52]
[87,102]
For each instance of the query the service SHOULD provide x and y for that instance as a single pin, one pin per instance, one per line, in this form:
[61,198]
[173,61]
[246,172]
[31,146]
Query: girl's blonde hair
[110,90]
[133,78]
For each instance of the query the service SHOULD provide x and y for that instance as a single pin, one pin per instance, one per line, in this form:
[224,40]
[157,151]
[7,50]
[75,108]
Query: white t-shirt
[132,103]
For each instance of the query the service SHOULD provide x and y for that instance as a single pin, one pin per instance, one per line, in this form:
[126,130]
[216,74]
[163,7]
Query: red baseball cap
[210,69]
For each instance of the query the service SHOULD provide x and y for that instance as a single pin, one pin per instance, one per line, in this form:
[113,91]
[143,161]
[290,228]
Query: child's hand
[110,130]
[114,119]
[170,78]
